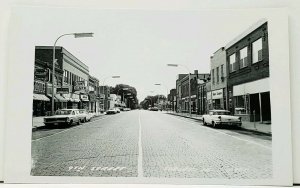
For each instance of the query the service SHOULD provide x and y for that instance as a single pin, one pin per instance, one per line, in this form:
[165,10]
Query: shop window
[243,57]
[257,51]
[232,63]
[241,104]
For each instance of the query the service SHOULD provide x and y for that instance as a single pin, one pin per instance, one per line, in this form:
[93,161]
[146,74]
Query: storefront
[218,99]
[84,101]
[39,99]
[251,101]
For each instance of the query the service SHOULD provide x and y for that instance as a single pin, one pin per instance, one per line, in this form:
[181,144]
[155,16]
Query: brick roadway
[151,144]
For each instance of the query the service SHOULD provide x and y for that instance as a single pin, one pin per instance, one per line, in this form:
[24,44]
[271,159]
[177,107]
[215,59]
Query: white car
[217,118]
[85,115]
[63,116]
[112,111]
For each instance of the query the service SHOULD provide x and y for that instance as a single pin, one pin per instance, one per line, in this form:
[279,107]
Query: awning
[50,96]
[75,100]
[40,97]
[85,100]
[61,98]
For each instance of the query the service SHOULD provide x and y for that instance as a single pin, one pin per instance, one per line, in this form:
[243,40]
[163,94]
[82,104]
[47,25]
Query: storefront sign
[84,97]
[217,94]
[208,95]
[63,90]
[92,97]
[39,87]
[79,86]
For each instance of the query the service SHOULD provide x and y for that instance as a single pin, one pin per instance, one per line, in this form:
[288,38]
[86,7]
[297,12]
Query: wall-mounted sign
[217,94]
[79,86]
[63,90]
[39,87]
[84,97]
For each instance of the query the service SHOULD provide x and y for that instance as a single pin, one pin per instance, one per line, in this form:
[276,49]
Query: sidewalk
[39,121]
[250,126]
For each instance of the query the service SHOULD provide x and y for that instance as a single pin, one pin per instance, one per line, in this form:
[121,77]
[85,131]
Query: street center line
[67,130]
[140,158]
[245,140]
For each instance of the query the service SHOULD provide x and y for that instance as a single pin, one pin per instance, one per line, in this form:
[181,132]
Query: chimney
[196,72]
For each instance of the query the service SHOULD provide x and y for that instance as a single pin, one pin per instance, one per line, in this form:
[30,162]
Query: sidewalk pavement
[39,121]
[246,125]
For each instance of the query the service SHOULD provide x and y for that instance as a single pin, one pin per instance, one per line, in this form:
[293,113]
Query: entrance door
[265,106]
[254,107]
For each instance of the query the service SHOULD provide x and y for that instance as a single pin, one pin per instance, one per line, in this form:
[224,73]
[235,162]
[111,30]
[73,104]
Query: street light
[176,65]
[158,84]
[103,88]
[76,35]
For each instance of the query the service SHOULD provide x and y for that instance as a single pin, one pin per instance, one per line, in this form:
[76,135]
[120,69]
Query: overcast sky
[137,45]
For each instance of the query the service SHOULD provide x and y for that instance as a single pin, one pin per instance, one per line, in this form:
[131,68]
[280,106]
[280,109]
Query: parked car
[127,109]
[85,115]
[111,111]
[154,109]
[217,118]
[63,117]
[118,110]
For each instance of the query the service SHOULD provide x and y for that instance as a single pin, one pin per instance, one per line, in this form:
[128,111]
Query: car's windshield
[222,113]
[63,112]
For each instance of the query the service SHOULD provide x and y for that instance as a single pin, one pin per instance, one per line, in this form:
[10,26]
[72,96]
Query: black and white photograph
[152,96]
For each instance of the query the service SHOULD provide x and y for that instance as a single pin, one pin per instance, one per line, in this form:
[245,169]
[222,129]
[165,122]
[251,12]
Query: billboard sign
[80,86]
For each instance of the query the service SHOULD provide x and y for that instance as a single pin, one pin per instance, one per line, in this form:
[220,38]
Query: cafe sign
[217,94]
[63,90]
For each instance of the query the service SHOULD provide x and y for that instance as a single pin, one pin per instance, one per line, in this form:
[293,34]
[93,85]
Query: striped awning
[40,97]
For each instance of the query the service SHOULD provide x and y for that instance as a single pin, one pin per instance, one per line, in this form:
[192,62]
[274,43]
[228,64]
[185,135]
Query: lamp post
[76,35]
[158,84]
[103,84]
[176,65]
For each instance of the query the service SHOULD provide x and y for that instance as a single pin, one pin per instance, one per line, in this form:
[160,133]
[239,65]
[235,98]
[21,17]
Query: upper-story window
[222,73]
[257,51]
[243,57]
[232,63]
[218,78]
[213,75]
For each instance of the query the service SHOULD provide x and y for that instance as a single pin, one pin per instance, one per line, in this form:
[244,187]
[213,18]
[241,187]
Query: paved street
[142,143]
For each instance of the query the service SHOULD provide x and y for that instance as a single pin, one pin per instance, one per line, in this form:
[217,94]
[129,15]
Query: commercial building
[219,79]
[248,76]
[94,97]
[182,88]
[71,77]
[172,100]
[104,97]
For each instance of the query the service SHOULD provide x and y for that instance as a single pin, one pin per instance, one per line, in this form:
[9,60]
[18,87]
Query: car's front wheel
[214,125]
[204,123]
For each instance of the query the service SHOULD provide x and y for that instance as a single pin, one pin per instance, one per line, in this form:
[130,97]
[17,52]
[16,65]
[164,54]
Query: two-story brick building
[218,79]
[247,59]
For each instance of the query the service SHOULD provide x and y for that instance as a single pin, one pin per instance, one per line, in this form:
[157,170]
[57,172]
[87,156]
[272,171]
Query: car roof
[68,109]
[219,110]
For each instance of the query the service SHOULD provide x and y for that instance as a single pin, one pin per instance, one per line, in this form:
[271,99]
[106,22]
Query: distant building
[172,100]
[182,89]
[248,76]
[94,97]
[219,79]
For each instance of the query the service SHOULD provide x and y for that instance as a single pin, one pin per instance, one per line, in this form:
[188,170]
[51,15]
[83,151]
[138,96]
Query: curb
[250,130]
